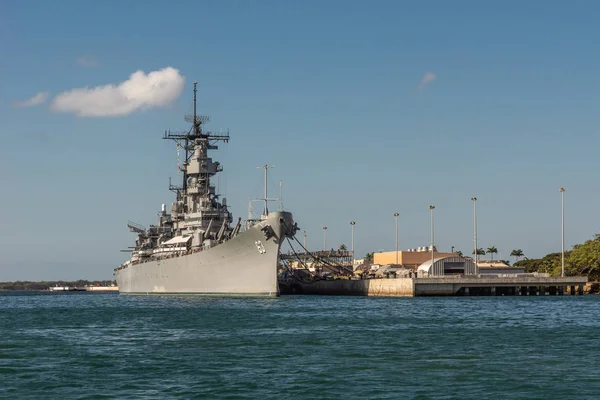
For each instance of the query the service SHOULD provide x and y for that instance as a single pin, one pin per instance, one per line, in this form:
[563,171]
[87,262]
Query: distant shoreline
[77,285]
[47,291]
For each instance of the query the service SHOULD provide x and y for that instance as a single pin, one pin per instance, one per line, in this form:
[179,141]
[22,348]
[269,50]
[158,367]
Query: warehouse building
[448,265]
[409,259]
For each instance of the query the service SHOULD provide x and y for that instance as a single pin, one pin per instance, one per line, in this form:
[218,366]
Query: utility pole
[352,223]
[475,255]
[396,215]
[562,195]
[432,241]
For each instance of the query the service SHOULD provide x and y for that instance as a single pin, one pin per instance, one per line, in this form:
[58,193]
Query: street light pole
[396,215]
[562,195]
[475,255]
[305,251]
[432,241]
[352,223]
[324,238]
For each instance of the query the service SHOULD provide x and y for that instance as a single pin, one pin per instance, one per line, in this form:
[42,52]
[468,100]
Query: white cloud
[156,89]
[34,101]
[87,62]
[427,78]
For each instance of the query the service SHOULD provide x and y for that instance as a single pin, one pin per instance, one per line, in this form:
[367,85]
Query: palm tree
[491,251]
[460,253]
[517,253]
[343,247]
[480,251]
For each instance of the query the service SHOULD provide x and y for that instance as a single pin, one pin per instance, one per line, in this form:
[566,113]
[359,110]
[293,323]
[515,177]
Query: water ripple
[105,346]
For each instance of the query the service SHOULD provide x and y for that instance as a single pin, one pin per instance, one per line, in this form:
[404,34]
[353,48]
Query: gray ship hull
[245,265]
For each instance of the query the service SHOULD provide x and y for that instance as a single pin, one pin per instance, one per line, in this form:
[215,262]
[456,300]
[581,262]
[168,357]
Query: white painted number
[260,247]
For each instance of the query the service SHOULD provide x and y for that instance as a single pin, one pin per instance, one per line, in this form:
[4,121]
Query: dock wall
[452,286]
[440,286]
[346,287]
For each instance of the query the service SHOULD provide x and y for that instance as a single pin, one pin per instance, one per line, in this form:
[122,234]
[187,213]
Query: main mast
[266,198]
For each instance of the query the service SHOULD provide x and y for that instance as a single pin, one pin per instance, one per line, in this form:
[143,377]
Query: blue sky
[329,93]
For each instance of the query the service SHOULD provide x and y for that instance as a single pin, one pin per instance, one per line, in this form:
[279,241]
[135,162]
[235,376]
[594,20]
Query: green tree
[369,258]
[584,259]
[517,253]
[343,247]
[547,264]
[491,251]
[460,253]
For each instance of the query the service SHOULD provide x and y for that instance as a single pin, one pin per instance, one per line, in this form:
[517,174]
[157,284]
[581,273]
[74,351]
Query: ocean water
[106,346]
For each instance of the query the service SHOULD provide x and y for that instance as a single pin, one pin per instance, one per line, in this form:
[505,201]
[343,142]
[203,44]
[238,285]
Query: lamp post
[475,255]
[324,238]
[396,215]
[305,251]
[431,208]
[352,223]
[562,195]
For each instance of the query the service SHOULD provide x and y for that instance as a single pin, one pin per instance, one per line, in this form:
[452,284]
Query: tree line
[582,259]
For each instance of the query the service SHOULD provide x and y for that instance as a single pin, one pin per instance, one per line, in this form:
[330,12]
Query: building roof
[426,266]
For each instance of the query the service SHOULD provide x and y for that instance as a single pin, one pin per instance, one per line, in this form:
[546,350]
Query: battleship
[195,249]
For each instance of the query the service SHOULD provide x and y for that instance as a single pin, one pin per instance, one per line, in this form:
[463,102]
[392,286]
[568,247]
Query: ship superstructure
[195,248]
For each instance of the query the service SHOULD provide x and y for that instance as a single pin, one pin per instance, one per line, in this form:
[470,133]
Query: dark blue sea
[106,346]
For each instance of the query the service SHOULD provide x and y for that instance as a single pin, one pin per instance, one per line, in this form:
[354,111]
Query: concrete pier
[518,285]
[347,287]
[497,286]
